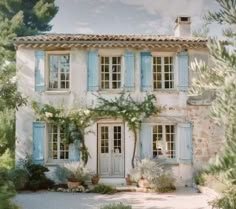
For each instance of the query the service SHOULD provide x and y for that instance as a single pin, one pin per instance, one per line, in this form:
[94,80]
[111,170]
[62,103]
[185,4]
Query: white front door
[111,150]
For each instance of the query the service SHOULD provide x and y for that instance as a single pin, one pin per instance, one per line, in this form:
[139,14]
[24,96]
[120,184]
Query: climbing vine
[76,121]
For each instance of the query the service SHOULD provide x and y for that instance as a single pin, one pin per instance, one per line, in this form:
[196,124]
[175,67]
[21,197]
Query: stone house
[72,69]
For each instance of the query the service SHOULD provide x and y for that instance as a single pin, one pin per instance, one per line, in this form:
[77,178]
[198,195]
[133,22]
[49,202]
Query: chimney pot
[183,26]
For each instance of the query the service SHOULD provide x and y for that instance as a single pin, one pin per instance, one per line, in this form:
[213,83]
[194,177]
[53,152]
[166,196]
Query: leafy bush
[7,191]
[28,175]
[199,178]
[156,172]
[227,201]
[103,189]
[72,171]
[20,177]
[116,206]
[163,183]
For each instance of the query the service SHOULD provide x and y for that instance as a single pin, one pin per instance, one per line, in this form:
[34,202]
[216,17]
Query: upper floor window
[59,71]
[110,72]
[164,144]
[163,72]
[58,149]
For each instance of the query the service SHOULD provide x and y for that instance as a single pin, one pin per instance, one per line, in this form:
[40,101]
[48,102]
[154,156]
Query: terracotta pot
[95,180]
[73,184]
[143,183]
[128,180]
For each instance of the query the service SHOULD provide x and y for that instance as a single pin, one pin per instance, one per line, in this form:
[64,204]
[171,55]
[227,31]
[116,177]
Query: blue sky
[127,16]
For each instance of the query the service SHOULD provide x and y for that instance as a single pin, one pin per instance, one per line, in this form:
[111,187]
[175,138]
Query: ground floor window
[57,148]
[164,143]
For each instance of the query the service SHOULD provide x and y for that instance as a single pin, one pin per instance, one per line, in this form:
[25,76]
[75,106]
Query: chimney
[183,26]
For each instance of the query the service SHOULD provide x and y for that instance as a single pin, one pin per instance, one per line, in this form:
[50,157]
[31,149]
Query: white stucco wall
[173,100]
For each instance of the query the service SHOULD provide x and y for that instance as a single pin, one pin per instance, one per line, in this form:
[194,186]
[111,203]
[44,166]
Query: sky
[128,16]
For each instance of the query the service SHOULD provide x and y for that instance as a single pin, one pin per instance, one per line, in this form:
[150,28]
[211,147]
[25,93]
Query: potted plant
[73,174]
[95,179]
[128,180]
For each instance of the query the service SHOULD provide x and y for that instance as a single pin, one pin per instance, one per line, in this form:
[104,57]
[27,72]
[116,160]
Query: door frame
[109,122]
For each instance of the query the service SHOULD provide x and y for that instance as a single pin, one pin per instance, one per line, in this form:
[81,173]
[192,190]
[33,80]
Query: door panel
[111,150]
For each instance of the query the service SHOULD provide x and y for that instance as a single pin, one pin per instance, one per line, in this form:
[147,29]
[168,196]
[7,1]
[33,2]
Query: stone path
[184,198]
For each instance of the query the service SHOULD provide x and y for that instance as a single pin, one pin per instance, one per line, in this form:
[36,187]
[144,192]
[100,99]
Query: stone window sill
[57,92]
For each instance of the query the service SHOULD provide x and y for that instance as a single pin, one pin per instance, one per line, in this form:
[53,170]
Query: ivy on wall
[77,120]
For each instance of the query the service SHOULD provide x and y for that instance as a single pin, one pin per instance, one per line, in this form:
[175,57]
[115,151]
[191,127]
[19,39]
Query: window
[59,71]
[110,72]
[57,148]
[164,141]
[163,72]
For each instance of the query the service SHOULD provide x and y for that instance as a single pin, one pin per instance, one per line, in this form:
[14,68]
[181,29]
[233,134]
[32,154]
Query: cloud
[83,27]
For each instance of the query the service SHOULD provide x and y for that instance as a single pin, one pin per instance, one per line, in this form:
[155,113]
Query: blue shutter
[39,70]
[185,142]
[92,71]
[38,142]
[146,81]
[146,141]
[129,71]
[74,154]
[183,74]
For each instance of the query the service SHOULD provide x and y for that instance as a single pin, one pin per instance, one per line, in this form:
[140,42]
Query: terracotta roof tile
[64,38]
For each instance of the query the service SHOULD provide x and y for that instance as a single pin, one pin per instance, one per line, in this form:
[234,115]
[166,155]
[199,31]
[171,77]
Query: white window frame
[111,53]
[48,159]
[47,68]
[164,140]
[162,55]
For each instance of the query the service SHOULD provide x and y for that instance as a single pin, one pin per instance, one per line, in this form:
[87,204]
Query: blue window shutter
[146,141]
[38,142]
[92,71]
[183,73]
[185,142]
[74,154]
[39,70]
[129,71]
[146,81]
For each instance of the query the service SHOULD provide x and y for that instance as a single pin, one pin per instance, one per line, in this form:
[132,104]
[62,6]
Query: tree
[221,77]
[17,18]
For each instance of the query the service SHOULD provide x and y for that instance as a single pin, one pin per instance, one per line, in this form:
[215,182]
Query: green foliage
[7,191]
[124,107]
[116,206]
[72,171]
[156,172]
[199,178]
[221,78]
[19,177]
[103,189]
[30,176]
[7,130]
[227,201]
[131,111]
[7,159]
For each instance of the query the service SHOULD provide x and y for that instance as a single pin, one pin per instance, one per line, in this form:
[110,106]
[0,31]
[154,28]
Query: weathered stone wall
[207,136]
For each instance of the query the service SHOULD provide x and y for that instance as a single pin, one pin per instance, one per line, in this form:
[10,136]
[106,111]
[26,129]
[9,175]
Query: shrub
[7,191]
[72,171]
[103,189]
[28,175]
[199,178]
[116,206]
[227,201]
[19,177]
[156,172]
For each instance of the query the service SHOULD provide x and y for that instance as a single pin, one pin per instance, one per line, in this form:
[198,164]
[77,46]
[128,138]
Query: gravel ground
[184,198]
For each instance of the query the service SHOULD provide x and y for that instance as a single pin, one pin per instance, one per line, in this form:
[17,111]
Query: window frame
[162,55]
[164,141]
[54,161]
[47,73]
[111,55]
